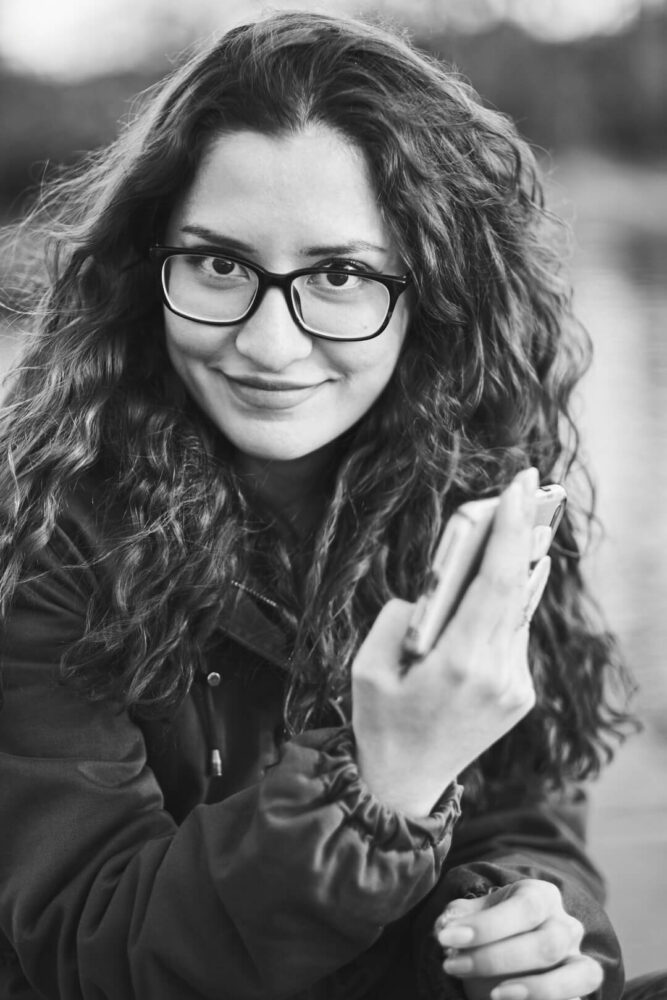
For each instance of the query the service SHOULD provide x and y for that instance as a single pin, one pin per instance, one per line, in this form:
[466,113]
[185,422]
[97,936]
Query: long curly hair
[482,388]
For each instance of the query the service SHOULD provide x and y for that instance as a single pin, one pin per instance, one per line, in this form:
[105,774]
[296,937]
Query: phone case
[457,560]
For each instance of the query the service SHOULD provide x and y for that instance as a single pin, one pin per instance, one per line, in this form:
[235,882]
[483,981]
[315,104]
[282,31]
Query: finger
[512,524]
[495,595]
[575,977]
[540,542]
[549,945]
[536,584]
[459,909]
[513,910]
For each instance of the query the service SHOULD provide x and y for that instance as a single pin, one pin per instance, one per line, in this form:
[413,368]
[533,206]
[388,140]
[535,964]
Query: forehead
[305,185]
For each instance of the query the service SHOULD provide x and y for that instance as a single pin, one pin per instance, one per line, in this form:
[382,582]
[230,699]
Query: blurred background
[587,82]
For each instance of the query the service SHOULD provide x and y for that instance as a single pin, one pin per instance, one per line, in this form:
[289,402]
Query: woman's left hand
[516,943]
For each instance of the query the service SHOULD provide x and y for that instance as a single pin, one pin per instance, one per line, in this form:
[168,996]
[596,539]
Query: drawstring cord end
[216,763]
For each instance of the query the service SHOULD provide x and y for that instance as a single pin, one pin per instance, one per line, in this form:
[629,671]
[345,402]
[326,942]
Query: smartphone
[457,560]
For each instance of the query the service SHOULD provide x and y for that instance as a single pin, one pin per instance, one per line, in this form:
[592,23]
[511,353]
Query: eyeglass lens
[215,289]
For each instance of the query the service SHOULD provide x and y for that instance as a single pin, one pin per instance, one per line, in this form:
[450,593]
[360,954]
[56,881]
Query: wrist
[401,788]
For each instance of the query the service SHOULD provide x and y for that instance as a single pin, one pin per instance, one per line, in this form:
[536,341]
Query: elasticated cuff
[391,830]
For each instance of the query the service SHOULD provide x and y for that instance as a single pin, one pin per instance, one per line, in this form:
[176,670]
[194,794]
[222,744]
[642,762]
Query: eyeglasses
[336,303]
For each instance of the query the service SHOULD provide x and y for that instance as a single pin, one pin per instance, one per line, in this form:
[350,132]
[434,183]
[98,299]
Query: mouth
[270,393]
[270,385]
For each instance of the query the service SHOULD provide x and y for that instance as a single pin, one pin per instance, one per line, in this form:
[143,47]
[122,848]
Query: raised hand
[416,732]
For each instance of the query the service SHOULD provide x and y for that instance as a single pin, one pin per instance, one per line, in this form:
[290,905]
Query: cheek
[364,382]
[177,338]
[374,361]
[190,341]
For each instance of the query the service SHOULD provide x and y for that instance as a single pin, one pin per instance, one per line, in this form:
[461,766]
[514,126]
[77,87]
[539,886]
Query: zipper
[262,598]
[256,594]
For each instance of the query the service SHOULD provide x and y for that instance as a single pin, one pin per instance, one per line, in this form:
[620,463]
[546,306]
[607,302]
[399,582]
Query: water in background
[620,218]
[619,271]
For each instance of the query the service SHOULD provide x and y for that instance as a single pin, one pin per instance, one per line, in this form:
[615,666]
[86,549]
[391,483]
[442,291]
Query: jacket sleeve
[540,836]
[103,896]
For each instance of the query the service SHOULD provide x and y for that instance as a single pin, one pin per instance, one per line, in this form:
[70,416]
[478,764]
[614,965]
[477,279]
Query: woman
[304,307]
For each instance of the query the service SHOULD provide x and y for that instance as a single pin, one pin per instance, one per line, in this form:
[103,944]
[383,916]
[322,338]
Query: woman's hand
[416,731]
[515,943]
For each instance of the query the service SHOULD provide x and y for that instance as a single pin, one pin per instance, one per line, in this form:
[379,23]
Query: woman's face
[286,202]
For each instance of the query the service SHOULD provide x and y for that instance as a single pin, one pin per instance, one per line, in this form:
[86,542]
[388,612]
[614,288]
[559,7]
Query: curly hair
[482,388]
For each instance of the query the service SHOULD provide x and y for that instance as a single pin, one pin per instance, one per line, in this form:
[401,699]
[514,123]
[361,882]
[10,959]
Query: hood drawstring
[208,681]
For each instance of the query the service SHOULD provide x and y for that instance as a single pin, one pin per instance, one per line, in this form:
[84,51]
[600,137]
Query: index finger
[524,906]
[496,595]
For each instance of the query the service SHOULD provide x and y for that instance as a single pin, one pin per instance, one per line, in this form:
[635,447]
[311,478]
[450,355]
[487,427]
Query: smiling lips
[270,394]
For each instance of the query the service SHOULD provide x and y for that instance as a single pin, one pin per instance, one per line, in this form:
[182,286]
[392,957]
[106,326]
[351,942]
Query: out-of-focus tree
[44,124]
[606,91]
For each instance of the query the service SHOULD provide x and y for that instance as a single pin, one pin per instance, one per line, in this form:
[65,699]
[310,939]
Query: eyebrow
[331,249]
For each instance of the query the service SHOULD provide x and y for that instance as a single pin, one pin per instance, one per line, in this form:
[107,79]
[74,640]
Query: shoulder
[88,518]
[71,561]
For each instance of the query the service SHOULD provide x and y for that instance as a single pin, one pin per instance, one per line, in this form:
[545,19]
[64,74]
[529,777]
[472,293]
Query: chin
[278,451]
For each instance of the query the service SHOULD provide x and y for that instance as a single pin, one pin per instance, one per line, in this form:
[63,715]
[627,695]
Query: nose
[270,338]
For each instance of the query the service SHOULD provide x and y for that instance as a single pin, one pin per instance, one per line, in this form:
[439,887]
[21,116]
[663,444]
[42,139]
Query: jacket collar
[249,624]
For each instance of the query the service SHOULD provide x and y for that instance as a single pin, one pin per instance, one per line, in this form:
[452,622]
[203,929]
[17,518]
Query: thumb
[459,909]
[382,645]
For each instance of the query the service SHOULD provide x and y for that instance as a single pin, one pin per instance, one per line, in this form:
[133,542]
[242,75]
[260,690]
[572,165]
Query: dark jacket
[129,872]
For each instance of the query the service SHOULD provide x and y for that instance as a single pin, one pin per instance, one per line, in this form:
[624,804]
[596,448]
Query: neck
[296,489]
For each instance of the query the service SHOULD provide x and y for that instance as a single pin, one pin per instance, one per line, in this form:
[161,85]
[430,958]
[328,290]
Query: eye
[339,275]
[222,266]
[336,279]
[219,270]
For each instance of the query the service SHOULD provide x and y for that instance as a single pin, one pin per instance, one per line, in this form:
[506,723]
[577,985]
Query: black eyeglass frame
[395,285]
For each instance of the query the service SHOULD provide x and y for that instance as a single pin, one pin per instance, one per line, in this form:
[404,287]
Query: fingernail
[455,936]
[515,499]
[529,484]
[529,479]
[509,991]
[540,542]
[458,965]
[446,917]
